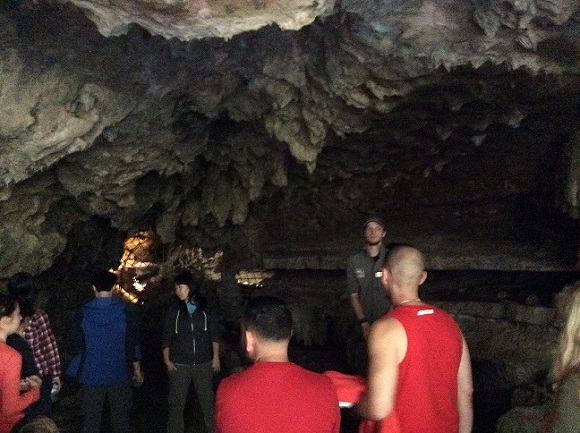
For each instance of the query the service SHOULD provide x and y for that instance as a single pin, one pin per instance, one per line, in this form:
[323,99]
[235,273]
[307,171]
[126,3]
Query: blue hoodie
[110,342]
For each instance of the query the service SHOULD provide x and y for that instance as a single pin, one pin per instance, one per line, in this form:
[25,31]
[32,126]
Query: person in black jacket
[190,353]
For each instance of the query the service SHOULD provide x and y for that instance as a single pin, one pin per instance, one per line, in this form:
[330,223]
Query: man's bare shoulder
[387,327]
[387,340]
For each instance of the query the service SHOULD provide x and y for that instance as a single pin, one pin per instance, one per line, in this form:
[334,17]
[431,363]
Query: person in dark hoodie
[190,352]
[106,335]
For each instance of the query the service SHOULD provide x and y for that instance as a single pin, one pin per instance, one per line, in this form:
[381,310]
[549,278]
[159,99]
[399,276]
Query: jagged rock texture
[457,121]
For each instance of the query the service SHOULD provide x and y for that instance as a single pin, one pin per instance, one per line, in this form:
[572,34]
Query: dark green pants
[179,381]
[120,403]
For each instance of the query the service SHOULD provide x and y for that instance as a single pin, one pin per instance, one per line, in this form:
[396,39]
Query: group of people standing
[31,369]
[105,336]
[417,376]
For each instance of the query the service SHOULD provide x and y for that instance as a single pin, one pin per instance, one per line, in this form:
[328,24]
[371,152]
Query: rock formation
[271,129]
[267,131]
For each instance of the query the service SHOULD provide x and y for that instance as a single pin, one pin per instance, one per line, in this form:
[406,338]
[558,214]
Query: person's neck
[407,297]
[373,250]
[104,294]
[272,358]
[273,353]
[409,301]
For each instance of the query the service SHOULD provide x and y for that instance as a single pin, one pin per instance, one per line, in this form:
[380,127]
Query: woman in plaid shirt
[39,335]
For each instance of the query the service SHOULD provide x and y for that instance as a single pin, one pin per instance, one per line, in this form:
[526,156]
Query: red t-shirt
[426,399]
[277,397]
[12,404]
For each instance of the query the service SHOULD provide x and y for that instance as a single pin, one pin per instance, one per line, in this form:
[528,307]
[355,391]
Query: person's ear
[423,277]
[4,321]
[250,342]
[385,277]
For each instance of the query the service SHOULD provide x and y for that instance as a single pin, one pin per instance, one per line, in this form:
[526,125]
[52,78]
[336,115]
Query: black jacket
[189,336]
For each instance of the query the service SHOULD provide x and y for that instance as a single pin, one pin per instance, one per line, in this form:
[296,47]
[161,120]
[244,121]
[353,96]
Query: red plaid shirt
[39,335]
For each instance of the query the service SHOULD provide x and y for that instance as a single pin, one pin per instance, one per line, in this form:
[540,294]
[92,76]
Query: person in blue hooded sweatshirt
[106,335]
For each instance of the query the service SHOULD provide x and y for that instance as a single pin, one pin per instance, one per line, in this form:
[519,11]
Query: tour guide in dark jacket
[106,335]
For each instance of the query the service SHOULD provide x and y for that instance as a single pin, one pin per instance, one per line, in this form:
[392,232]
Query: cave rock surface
[273,128]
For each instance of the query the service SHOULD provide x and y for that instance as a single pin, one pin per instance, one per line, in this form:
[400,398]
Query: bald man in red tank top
[419,363]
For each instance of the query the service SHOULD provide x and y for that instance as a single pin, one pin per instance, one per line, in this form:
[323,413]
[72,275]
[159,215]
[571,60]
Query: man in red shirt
[419,363]
[274,395]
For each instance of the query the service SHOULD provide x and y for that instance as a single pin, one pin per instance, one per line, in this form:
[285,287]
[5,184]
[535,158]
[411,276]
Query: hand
[170,366]
[365,328]
[56,381]
[138,376]
[23,386]
[215,364]
[33,381]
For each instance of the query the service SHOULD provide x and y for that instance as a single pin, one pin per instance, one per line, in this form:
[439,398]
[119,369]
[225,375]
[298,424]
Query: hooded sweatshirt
[188,336]
[110,342]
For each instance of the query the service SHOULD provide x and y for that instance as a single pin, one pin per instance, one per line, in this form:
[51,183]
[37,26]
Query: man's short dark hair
[104,281]
[269,317]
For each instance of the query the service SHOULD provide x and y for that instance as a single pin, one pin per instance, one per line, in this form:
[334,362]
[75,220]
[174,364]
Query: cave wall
[270,130]
[457,124]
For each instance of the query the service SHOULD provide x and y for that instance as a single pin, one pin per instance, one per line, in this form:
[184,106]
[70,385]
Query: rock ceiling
[272,128]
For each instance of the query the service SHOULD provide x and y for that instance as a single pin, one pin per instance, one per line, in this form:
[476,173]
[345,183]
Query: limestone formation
[283,124]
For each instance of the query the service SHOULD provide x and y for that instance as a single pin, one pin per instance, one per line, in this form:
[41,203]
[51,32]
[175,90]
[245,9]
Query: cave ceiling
[272,129]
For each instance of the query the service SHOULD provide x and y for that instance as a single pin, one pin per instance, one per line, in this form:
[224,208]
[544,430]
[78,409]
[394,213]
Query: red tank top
[426,399]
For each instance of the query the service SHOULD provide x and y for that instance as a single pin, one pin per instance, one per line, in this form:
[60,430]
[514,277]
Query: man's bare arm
[465,392]
[387,346]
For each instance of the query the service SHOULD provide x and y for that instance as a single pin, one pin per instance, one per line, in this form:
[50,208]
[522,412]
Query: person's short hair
[103,280]
[8,304]
[269,317]
[374,219]
[40,424]
[405,262]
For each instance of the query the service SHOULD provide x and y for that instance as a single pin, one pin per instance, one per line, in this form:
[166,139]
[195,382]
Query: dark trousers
[43,406]
[201,376]
[120,402]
